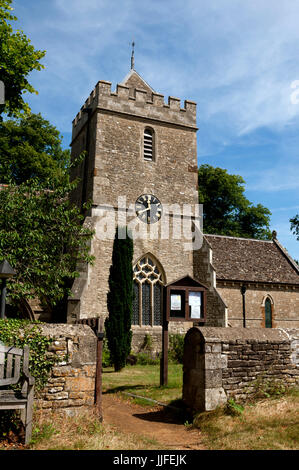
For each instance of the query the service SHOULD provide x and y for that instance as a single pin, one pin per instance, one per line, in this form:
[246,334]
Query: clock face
[148,208]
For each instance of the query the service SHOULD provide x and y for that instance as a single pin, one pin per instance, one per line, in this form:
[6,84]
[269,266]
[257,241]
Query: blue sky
[236,58]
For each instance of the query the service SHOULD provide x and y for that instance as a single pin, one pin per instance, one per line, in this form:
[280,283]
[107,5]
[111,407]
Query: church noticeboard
[185,300]
[177,303]
[195,304]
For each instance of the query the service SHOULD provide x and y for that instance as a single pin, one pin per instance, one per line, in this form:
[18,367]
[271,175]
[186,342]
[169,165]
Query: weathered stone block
[61,371]
[216,348]
[86,353]
[213,378]
[77,384]
[57,396]
[55,389]
[214,397]
[76,395]
[224,361]
[213,361]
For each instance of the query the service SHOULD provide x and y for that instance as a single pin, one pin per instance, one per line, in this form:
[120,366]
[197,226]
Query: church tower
[141,153]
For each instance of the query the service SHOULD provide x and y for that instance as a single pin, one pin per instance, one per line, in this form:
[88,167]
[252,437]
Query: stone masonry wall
[284,299]
[204,272]
[71,385]
[117,172]
[223,363]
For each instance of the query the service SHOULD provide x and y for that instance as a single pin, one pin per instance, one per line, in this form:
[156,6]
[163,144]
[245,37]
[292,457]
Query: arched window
[147,303]
[148,144]
[268,313]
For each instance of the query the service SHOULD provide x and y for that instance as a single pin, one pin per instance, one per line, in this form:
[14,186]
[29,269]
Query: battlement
[137,103]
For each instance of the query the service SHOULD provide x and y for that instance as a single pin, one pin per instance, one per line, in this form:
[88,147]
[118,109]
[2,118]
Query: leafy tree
[42,237]
[226,210]
[17,59]
[295,225]
[30,147]
[119,300]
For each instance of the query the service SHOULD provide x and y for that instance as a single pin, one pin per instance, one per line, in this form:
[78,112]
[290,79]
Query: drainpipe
[243,292]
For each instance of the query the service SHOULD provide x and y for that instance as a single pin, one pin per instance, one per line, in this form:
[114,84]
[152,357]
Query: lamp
[6,272]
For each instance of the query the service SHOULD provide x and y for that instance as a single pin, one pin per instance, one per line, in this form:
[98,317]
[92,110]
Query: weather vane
[132,56]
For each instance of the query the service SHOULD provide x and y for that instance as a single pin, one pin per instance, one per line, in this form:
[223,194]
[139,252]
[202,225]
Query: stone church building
[141,171]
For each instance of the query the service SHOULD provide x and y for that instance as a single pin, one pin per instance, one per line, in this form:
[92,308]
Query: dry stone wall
[71,384]
[223,363]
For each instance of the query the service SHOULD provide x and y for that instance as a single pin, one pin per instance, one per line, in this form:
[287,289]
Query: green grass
[144,380]
[269,424]
[55,431]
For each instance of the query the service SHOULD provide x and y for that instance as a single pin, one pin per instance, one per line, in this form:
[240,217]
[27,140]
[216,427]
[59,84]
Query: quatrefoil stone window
[147,303]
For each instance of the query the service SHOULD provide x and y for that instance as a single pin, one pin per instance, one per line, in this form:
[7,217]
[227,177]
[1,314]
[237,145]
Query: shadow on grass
[125,388]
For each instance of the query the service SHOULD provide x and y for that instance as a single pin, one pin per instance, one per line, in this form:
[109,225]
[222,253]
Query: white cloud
[281,177]
[234,61]
[283,209]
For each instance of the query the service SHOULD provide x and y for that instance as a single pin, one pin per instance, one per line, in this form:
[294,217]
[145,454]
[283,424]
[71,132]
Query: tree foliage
[295,225]
[18,58]
[30,147]
[42,237]
[226,210]
[119,300]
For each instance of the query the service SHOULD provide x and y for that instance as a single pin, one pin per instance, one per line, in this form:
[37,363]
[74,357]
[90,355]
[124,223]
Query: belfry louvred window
[148,144]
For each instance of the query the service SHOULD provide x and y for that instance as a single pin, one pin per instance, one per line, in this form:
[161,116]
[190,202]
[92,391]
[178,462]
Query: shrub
[234,409]
[176,348]
[268,387]
[147,343]
[18,333]
[10,425]
[106,359]
[146,358]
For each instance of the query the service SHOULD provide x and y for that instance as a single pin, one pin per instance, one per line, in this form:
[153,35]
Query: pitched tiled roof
[242,259]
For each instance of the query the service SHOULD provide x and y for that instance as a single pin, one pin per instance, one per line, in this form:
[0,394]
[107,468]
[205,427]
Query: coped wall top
[140,102]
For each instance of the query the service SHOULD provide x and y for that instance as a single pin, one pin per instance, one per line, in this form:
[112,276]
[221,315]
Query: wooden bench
[14,369]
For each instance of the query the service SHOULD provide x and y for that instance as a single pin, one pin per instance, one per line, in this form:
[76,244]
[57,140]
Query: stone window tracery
[148,281]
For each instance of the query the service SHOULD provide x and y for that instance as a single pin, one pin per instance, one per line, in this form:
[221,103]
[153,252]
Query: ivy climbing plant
[15,332]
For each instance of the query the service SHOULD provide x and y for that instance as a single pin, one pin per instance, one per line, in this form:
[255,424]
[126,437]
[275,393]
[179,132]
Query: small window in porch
[268,313]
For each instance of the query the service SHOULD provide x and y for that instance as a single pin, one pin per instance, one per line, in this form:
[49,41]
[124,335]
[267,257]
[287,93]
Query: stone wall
[204,272]
[284,300]
[71,384]
[223,363]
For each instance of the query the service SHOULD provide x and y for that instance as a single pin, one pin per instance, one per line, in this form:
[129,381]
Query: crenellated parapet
[136,103]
